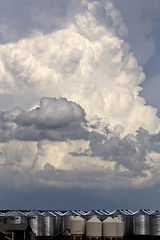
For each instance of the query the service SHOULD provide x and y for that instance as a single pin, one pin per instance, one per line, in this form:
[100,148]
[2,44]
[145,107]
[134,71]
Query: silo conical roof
[118,212]
[94,219]
[109,219]
[34,213]
[109,227]
[70,213]
[93,212]
[47,214]
[53,214]
[157,212]
[8,213]
[140,212]
[17,214]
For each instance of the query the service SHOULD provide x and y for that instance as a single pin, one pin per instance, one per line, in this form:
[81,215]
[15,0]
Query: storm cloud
[73,71]
[54,119]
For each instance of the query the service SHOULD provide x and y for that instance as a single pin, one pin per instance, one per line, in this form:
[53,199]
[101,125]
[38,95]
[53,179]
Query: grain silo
[93,228]
[141,223]
[57,221]
[155,223]
[77,227]
[16,217]
[6,216]
[35,220]
[109,228]
[1,216]
[66,222]
[92,213]
[48,224]
[82,213]
[120,228]
[104,215]
[126,218]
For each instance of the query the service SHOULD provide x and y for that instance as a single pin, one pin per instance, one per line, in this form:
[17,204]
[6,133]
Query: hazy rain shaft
[79,120]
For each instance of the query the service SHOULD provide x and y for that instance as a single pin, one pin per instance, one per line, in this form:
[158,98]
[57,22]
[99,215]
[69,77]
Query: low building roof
[6,228]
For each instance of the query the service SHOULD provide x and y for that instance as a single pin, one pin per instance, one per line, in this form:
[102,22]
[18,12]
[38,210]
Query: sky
[79,104]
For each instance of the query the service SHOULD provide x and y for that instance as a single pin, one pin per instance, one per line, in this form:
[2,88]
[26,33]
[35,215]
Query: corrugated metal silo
[17,217]
[66,222]
[35,219]
[48,224]
[106,211]
[141,223]
[57,221]
[125,218]
[155,223]
[1,216]
[93,213]
[6,216]
[82,213]
[109,228]
[94,227]
[104,215]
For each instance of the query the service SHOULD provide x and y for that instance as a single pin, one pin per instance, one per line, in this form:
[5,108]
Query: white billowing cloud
[103,162]
[53,145]
[88,63]
[85,131]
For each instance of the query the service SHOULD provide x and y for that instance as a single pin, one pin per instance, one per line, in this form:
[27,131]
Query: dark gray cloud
[54,119]
[52,113]
[129,151]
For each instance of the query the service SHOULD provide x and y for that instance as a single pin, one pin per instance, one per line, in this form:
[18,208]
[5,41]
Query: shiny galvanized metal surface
[57,221]
[126,218]
[66,221]
[17,217]
[36,222]
[48,224]
[96,213]
[141,223]
[155,223]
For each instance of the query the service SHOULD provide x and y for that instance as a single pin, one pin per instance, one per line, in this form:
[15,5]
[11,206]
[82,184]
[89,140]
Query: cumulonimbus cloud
[86,131]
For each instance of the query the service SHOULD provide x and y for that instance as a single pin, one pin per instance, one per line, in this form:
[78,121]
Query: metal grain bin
[82,213]
[141,223]
[1,216]
[66,222]
[77,226]
[6,216]
[94,227]
[125,218]
[17,217]
[57,221]
[35,220]
[109,228]
[104,215]
[106,211]
[93,213]
[155,223]
[48,224]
